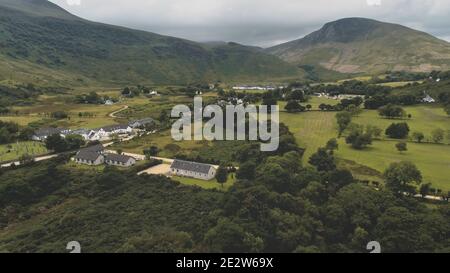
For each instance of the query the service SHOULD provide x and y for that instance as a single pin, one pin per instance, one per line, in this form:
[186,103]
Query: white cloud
[258,22]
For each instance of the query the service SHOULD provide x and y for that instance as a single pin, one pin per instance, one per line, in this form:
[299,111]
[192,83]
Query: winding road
[113,114]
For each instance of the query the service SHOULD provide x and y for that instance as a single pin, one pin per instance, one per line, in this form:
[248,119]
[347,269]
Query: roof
[118,158]
[142,121]
[87,155]
[95,148]
[47,132]
[115,127]
[191,166]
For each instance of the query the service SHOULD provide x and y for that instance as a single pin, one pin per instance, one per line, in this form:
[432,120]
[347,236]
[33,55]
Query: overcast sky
[257,22]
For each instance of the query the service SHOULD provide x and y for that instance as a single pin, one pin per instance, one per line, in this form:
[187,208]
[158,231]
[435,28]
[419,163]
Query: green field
[314,129]
[14,151]
[212,184]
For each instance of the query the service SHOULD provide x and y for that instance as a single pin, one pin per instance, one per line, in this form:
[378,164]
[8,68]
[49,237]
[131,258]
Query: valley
[87,152]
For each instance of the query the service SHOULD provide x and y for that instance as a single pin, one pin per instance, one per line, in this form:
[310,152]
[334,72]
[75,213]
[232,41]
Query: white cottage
[193,169]
[119,160]
[88,157]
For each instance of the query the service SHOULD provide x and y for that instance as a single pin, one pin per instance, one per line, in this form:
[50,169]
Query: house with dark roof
[141,123]
[89,158]
[99,149]
[193,169]
[119,160]
[44,133]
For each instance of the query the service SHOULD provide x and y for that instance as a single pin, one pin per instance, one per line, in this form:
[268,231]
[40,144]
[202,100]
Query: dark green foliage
[222,175]
[79,49]
[401,177]
[391,111]
[358,139]
[293,106]
[398,130]
[323,160]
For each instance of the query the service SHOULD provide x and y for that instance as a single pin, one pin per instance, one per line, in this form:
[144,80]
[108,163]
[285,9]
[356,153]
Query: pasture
[211,184]
[313,129]
[14,151]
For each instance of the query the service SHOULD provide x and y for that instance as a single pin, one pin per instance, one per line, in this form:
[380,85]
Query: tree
[293,106]
[343,120]
[374,131]
[447,109]
[332,145]
[402,146]
[323,160]
[438,135]
[353,110]
[222,175]
[391,111]
[425,189]
[418,136]
[74,142]
[401,177]
[150,152]
[357,138]
[398,130]
[246,171]
[59,115]
[56,143]
[298,95]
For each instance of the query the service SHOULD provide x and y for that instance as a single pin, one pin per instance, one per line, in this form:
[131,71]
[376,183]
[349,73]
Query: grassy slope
[314,129]
[360,45]
[66,49]
[14,151]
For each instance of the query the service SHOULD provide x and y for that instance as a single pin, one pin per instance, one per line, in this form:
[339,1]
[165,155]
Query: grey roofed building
[141,122]
[43,133]
[113,128]
[95,148]
[118,158]
[87,156]
[191,166]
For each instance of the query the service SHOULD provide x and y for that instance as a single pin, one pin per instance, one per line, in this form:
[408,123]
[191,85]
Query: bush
[398,130]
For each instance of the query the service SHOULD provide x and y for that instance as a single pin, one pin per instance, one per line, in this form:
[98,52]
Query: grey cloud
[257,22]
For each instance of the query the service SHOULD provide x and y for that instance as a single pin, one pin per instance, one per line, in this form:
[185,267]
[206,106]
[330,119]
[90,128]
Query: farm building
[141,123]
[44,133]
[99,149]
[428,99]
[193,169]
[89,158]
[120,160]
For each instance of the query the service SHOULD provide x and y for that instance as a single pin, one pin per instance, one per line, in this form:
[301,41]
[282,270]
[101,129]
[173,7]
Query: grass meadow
[14,151]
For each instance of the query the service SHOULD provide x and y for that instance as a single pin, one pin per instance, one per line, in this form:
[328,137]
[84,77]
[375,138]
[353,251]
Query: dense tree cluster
[59,144]
[277,205]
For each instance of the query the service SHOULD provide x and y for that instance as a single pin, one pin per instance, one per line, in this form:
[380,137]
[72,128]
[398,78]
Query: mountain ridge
[361,45]
[84,52]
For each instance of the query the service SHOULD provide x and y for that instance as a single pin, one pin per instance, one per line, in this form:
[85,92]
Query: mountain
[42,42]
[359,45]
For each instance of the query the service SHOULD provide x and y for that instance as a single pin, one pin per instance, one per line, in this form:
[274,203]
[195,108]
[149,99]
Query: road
[113,114]
[37,159]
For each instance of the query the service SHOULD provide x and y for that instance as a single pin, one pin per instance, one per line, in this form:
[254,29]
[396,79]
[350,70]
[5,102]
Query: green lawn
[314,129]
[21,120]
[432,159]
[14,151]
[212,184]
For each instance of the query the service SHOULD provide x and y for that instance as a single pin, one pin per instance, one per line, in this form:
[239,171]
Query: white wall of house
[100,160]
[129,163]
[211,174]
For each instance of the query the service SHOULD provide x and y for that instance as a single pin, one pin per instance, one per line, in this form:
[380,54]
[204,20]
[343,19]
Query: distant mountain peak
[361,45]
[41,8]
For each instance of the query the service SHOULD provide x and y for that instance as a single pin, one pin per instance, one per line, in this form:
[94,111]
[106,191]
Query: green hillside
[41,42]
[358,45]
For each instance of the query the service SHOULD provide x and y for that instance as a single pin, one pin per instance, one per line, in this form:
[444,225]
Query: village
[97,154]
